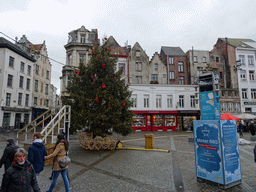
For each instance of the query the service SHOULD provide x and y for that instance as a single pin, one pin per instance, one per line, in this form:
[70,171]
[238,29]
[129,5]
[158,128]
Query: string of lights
[39,53]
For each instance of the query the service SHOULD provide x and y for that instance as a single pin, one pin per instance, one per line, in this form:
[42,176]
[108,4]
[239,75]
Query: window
[237,107]
[250,60]
[217,59]
[223,93]
[9,81]
[251,75]
[169,101]
[146,101]
[69,59]
[243,75]
[192,101]
[253,93]
[195,58]
[241,58]
[244,94]
[47,102]
[199,71]
[158,101]
[181,101]
[204,59]
[82,39]
[236,94]
[224,107]
[221,75]
[29,70]
[27,100]
[229,93]
[35,101]
[180,67]
[139,79]
[154,77]
[69,81]
[42,72]
[8,99]
[46,89]
[230,107]
[121,66]
[47,74]
[21,81]
[41,101]
[138,66]
[36,85]
[42,87]
[171,74]
[82,58]
[156,66]
[171,60]
[137,53]
[22,66]
[28,84]
[181,80]
[248,109]
[37,69]
[20,99]
[11,62]
[134,100]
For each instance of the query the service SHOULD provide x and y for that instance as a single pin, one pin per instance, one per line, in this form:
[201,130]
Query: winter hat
[11,141]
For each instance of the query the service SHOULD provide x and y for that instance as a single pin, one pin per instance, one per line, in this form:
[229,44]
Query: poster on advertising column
[208,150]
[207,105]
[232,169]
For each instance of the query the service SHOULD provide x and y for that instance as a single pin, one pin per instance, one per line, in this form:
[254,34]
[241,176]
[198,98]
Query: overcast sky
[151,23]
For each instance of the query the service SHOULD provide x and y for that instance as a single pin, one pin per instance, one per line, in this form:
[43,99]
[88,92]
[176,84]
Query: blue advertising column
[216,150]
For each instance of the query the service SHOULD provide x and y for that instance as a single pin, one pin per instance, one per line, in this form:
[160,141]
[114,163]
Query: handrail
[34,126]
[36,119]
[47,126]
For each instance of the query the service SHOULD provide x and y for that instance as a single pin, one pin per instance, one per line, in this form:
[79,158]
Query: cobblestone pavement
[139,170]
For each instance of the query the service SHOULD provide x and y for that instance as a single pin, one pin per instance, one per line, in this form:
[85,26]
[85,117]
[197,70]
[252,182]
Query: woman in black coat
[251,127]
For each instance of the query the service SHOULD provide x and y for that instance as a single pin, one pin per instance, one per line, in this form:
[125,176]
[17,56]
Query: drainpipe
[224,67]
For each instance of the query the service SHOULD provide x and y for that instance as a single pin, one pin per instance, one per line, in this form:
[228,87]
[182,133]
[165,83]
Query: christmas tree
[99,98]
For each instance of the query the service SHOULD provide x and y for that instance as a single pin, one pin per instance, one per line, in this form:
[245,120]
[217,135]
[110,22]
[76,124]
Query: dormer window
[82,39]
[137,53]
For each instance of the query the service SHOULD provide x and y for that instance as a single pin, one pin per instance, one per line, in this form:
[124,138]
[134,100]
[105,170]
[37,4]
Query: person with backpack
[8,155]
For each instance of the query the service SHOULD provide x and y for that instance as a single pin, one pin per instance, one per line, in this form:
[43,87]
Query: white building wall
[14,90]
[164,90]
[246,83]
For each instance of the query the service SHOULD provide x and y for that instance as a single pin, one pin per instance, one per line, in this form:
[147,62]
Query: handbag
[64,162]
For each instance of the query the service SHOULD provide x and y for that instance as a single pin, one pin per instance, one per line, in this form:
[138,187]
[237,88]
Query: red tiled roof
[117,51]
[38,47]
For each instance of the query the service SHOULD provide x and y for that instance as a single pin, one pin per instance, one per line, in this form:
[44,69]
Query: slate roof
[4,43]
[235,42]
[173,51]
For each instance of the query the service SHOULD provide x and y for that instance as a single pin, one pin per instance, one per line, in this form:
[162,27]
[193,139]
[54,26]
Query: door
[148,122]
[6,121]
[17,121]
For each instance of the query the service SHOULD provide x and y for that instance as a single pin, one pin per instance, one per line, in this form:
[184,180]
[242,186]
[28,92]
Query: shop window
[170,120]
[158,120]
[138,120]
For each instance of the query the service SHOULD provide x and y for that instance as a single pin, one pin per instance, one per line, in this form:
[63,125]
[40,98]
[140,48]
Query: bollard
[149,141]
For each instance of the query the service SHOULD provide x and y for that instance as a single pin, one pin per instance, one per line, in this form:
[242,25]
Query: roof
[238,42]
[38,47]
[173,51]
[112,42]
[4,43]
[118,50]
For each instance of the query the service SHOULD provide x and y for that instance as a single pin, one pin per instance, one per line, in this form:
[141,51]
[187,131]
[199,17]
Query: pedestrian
[20,176]
[251,127]
[60,151]
[240,129]
[8,155]
[36,153]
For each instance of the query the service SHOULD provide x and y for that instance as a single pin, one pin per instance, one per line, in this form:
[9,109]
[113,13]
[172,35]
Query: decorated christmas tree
[99,98]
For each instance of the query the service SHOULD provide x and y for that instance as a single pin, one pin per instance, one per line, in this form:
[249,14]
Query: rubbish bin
[149,141]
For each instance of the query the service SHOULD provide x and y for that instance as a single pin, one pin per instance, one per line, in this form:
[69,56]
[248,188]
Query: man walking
[8,155]
[36,153]
[20,176]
